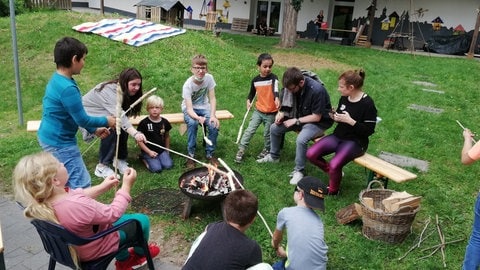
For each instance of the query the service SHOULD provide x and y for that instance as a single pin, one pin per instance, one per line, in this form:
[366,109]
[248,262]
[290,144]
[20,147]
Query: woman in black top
[356,117]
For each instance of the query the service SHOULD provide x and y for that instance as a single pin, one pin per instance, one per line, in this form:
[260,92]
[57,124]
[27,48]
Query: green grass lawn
[448,188]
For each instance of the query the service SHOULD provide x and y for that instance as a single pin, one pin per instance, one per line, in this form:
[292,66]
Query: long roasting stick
[210,166]
[217,170]
[240,130]
[118,125]
[230,172]
[139,100]
[123,114]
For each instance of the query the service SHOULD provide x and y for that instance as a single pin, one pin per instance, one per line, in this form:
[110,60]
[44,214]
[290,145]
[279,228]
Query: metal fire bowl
[204,171]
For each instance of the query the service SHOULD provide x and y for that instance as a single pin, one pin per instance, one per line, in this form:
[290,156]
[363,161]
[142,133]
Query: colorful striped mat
[129,31]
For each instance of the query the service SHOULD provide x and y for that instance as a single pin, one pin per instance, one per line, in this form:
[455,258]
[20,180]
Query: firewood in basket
[406,205]
[394,198]
[368,202]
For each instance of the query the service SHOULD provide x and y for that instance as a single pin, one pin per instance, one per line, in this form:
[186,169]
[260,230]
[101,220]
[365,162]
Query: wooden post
[475,36]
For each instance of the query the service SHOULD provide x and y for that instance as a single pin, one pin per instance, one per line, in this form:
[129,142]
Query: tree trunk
[371,18]
[471,51]
[289,26]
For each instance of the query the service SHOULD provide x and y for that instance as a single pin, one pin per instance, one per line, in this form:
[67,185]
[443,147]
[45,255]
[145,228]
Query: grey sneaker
[122,165]
[268,158]
[103,171]
[263,153]
[297,176]
[239,156]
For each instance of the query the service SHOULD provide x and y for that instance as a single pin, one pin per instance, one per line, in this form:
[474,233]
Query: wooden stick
[439,245]
[423,231]
[122,115]
[442,239]
[215,169]
[230,174]
[118,125]
[240,130]
[420,240]
[210,166]
[138,101]
[230,171]
[429,255]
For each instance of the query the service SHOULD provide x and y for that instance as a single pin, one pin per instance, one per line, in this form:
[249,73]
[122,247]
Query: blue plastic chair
[56,240]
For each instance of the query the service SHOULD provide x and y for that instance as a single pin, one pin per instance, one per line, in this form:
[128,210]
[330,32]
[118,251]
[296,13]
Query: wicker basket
[384,226]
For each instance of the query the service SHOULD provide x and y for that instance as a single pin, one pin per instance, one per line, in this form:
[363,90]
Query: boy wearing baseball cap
[305,249]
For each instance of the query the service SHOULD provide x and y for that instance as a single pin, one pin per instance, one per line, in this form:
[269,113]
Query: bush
[19,6]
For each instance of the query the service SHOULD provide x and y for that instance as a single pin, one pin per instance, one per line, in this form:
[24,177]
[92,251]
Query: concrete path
[23,247]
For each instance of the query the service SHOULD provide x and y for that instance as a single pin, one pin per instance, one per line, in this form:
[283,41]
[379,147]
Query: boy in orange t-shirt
[265,88]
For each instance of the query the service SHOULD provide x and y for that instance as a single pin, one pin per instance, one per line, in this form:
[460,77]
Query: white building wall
[461,12]
[452,13]
[309,12]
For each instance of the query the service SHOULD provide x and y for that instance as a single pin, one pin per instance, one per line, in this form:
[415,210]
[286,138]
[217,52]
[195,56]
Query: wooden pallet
[239,24]
[362,41]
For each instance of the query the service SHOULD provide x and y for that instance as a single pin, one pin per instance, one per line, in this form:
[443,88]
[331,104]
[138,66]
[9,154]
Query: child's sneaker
[134,261]
[152,247]
[268,159]
[122,165]
[103,171]
[239,156]
[264,152]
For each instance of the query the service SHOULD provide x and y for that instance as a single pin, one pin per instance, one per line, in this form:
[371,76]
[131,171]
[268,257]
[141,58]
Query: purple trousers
[345,151]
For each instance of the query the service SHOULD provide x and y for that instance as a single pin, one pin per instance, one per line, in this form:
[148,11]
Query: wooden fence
[58,4]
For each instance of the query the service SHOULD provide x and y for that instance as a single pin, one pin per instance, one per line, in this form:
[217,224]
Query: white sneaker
[122,165]
[268,158]
[103,171]
[297,176]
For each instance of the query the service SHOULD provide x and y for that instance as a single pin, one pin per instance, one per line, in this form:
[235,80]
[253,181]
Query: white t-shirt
[198,94]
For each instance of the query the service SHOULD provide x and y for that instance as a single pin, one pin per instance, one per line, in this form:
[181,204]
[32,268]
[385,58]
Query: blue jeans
[307,132]
[70,156]
[129,232]
[472,253]
[192,128]
[258,118]
[159,163]
[108,146]
[345,151]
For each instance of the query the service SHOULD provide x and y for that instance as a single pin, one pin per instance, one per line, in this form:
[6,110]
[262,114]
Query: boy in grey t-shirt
[305,250]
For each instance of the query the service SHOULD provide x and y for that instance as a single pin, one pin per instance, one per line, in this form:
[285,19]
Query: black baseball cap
[314,191]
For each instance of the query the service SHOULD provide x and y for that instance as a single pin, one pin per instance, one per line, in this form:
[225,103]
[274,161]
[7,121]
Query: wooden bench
[382,170]
[173,118]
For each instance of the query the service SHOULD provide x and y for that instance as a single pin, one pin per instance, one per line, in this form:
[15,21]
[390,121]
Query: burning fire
[208,183]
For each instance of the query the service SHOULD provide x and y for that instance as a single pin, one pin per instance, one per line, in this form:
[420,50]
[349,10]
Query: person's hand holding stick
[467,130]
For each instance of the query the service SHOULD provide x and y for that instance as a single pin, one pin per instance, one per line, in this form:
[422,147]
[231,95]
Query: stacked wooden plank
[239,24]
[400,202]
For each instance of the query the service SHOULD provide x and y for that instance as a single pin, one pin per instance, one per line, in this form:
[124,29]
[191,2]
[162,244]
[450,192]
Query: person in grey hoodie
[102,100]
